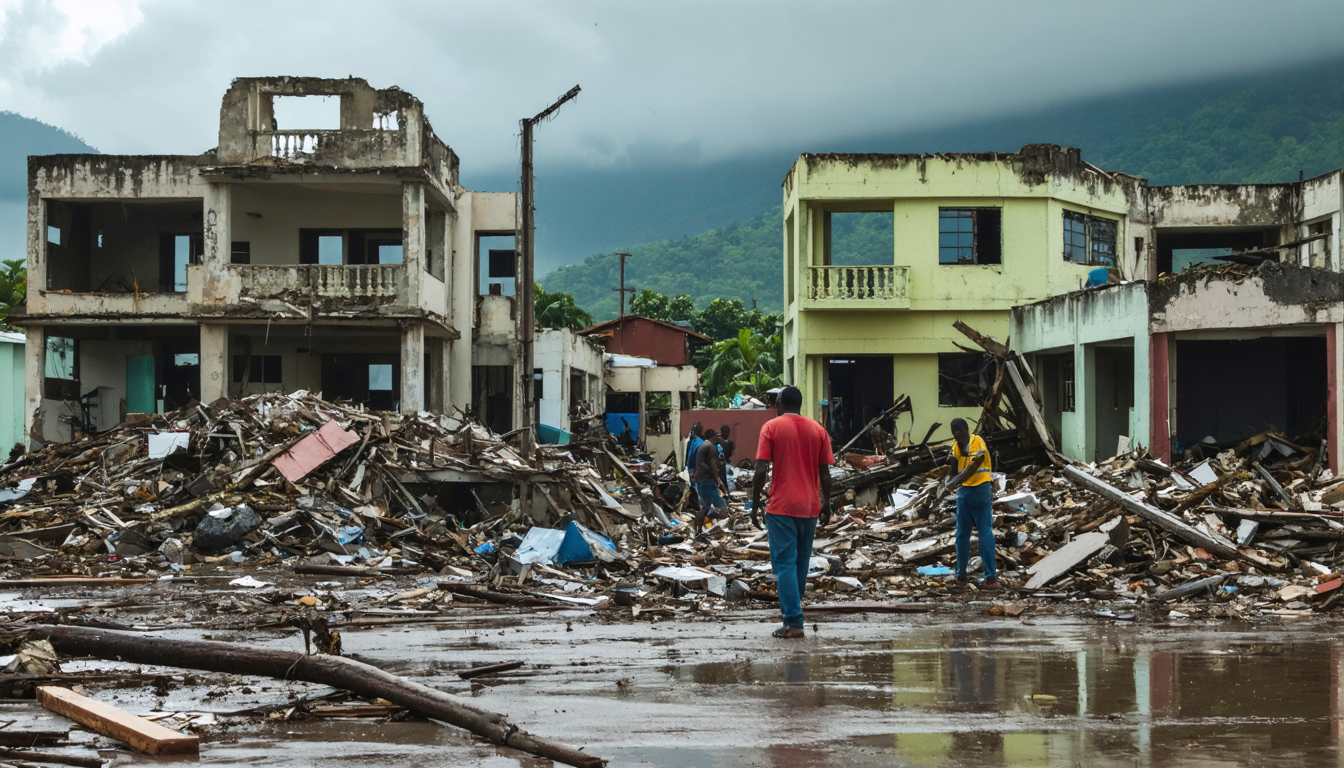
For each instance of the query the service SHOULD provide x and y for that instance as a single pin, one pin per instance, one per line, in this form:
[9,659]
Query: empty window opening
[578,395]
[859,239]
[1089,240]
[387,121]
[970,236]
[1318,250]
[187,359]
[858,389]
[61,375]
[122,247]
[492,396]
[54,235]
[1182,250]
[497,265]
[257,369]
[306,113]
[964,379]
[1064,382]
[240,252]
[387,252]
[658,413]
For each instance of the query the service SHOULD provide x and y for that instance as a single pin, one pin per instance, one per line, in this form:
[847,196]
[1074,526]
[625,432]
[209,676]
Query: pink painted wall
[745,427]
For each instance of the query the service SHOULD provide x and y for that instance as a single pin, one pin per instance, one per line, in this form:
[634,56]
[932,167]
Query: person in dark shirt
[706,481]
[725,454]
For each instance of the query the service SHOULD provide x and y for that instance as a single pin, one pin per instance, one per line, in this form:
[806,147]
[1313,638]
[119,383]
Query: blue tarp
[575,544]
[615,425]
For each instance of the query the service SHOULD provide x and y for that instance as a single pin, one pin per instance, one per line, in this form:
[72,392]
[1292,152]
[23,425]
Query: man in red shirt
[800,494]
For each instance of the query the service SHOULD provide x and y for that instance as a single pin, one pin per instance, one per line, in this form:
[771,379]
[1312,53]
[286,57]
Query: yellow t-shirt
[974,447]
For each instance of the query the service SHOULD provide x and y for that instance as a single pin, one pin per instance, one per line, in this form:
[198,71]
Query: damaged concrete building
[341,257]
[1177,356]
[1157,354]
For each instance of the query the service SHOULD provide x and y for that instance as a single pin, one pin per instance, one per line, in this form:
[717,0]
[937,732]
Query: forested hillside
[1271,129]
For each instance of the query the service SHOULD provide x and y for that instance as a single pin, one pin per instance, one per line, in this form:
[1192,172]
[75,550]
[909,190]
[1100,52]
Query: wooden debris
[136,732]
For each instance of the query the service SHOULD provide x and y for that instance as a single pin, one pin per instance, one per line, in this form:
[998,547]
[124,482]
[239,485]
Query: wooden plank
[489,669]
[1076,552]
[137,732]
[48,757]
[1029,402]
[1164,520]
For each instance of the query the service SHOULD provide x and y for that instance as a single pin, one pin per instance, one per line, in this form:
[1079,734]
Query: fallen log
[1164,520]
[361,679]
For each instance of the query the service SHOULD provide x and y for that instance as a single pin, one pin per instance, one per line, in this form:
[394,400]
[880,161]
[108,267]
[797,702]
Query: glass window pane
[60,358]
[389,254]
[181,256]
[330,249]
[380,378]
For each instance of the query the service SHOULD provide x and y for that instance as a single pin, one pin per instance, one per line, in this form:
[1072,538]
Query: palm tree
[749,364]
[558,310]
[13,287]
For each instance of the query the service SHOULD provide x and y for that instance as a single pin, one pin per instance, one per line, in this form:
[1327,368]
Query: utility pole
[623,289]
[526,235]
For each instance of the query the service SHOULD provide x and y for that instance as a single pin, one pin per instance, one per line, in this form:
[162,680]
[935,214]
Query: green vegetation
[1269,131]
[748,364]
[558,310]
[13,288]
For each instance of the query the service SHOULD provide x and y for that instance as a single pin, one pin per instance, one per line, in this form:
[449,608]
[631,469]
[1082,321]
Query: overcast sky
[675,80]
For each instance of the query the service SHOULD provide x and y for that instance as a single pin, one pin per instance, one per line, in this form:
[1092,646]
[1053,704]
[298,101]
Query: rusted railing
[851,283]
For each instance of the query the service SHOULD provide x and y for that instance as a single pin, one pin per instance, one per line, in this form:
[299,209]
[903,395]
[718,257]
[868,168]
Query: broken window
[61,377]
[858,239]
[658,413]
[240,252]
[1318,250]
[306,113]
[258,369]
[1089,239]
[186,359]
[970,236]
[964,379]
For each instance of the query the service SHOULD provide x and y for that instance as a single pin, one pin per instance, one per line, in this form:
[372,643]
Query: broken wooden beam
[309,569]
[489,595]
[10,738]
[75,581]
[1029,402]
[1114,532]
[1165,520]
[136,732]
[1189,588]
[489,669]
[49,757]
[870,607]
[359,678]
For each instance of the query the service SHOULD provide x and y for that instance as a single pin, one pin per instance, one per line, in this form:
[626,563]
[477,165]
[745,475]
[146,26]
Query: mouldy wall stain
[1225,205]
[1272,294]
[127,176]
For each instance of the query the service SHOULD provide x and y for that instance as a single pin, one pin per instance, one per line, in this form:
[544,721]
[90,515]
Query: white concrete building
[570,371]
[341,257]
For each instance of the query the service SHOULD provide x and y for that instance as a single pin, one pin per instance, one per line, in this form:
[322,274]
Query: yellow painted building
[882,253]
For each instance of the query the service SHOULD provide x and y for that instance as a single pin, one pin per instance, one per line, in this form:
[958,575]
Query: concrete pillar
[413,239]
[437,375]
[218,244]
[37,254]
[413,368]
[1159,392]
[1140,420]
[214,362]
[34,368]
[462,290]
[1334,346]
[677,448]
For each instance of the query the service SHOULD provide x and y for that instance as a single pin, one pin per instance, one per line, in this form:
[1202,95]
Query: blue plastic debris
[934,570]
[349,534]
[575,544]
[486,548]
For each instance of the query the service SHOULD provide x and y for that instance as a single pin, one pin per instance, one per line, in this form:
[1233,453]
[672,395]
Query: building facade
[882,253]
[343,258]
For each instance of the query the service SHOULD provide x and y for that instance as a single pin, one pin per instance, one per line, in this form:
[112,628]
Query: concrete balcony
[865,287]
[356,282]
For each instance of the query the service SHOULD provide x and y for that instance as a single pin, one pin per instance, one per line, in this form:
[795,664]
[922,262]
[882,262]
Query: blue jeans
[974,509]
[708,493]
[790,554]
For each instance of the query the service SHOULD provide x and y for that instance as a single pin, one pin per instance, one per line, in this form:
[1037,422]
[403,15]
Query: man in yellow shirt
[975,497]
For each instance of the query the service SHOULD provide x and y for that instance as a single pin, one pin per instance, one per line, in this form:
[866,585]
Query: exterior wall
[1033,188]
[269,216]
[1115,318]
[744,425]
[11,392]
[1273,296]
[559,353]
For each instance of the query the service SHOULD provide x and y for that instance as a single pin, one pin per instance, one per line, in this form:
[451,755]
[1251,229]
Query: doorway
[857,390]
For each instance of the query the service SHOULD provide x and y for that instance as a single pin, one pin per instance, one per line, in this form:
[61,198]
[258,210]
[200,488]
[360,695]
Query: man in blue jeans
[975,497]
[795,452]
[706,481]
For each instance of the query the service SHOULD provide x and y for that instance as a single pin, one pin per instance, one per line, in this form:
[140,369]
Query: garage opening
[1232,390]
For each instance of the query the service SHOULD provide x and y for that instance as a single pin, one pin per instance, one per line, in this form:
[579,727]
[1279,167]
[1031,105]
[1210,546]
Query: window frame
[55,388]
[981,359]
[974,216]
[1081,245]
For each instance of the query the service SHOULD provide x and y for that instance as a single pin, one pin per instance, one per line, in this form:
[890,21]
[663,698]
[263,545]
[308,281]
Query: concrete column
[214,362]
[37,254]
[438,371]
[218,244]
[1334,346]
[677,449]
[1159,392]
[1140,420]
[413,239]
[413,368]
[34,368]
[462,304]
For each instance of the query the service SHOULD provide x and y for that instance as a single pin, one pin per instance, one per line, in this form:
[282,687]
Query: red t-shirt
[796,446]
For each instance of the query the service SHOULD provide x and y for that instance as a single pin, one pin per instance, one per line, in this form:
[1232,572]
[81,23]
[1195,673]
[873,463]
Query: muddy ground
[957,686]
